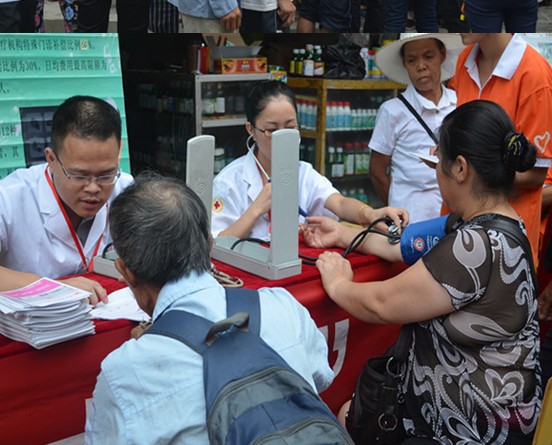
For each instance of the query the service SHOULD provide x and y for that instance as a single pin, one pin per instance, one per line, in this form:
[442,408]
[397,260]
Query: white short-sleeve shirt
[399,134]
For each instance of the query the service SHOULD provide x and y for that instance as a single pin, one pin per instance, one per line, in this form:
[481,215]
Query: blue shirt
[150,390]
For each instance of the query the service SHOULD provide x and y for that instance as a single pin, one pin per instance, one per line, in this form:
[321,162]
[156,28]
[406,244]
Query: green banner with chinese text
[37,73]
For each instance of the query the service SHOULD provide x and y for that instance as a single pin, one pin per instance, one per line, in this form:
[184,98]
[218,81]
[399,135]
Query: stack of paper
[44,313]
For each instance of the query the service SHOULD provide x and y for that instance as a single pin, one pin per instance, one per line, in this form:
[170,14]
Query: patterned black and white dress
[473,376]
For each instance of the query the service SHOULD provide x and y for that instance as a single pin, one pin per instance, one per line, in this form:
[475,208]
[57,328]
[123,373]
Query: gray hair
[160,229]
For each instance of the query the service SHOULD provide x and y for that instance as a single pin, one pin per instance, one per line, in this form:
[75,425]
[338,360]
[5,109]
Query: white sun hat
[390,63]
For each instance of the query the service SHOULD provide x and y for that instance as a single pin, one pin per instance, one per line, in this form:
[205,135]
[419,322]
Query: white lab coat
[34,236]
[239,183]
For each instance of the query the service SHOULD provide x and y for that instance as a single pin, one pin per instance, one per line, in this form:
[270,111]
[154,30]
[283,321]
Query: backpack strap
[196,332]
[418,117]
[245,300]
[189,328]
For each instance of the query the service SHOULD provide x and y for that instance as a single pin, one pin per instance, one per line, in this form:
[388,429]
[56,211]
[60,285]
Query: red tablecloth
[43,391]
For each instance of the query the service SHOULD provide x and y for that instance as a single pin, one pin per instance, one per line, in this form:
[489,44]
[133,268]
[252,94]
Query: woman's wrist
[346,234]
[364,214]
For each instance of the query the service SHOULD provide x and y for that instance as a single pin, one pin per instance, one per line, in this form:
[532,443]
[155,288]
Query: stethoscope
[250,147]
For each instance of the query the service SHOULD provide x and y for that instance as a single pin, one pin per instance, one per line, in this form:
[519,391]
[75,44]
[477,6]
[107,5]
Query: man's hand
[286,12]
[232,20]
[97,291]
[321,232]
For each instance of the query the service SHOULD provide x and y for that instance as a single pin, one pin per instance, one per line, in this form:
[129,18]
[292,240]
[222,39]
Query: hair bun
[519,154]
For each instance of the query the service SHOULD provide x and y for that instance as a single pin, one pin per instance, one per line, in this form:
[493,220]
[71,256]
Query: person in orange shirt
[503,68]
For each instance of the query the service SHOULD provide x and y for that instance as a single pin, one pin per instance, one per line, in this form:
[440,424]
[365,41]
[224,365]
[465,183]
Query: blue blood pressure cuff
[419,238]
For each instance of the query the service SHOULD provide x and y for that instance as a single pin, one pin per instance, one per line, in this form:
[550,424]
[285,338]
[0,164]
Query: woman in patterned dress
[473,375]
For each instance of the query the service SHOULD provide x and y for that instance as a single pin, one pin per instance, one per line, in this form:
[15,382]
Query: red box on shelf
[230,55]
[240,65]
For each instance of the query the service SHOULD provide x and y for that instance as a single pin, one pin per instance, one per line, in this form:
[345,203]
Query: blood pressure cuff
[419,238]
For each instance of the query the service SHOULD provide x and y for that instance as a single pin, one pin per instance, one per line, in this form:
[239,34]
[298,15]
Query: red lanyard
[71,229]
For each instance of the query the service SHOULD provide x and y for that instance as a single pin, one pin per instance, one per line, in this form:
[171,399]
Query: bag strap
[417,116]
[402,346]
[194,330]
[511,229]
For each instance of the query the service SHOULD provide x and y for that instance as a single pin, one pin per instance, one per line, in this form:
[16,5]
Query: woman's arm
[415,241]
[323,233]
[379,164]
[412,296]
[353,210]
[531,179]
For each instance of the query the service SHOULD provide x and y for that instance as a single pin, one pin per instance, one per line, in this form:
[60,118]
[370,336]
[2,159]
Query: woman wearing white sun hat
[422,61]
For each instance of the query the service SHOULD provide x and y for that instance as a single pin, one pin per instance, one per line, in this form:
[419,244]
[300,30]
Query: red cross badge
[218,205]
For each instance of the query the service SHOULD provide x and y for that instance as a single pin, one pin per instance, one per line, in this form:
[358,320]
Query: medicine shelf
[166,110]
[321,91]
[223,122]
[324,87]
[200,79]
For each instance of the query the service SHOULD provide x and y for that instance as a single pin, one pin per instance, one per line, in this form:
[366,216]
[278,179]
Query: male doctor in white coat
[53,216]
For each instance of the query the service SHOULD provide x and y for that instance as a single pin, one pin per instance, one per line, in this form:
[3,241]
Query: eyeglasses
[85,180]
[268,132]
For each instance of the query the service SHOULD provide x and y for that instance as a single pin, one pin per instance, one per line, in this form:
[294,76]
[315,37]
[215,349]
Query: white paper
[433,160]
[42,293]
[44,313]
[122,304]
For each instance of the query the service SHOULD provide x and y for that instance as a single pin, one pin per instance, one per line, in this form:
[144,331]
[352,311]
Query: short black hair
[85,117]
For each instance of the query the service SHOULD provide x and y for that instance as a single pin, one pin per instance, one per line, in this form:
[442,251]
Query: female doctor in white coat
[242,190]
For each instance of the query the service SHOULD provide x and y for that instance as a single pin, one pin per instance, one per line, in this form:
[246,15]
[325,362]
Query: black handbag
[376,411]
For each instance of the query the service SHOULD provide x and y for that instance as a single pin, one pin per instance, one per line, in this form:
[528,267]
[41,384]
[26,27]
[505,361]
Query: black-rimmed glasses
[85,180]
